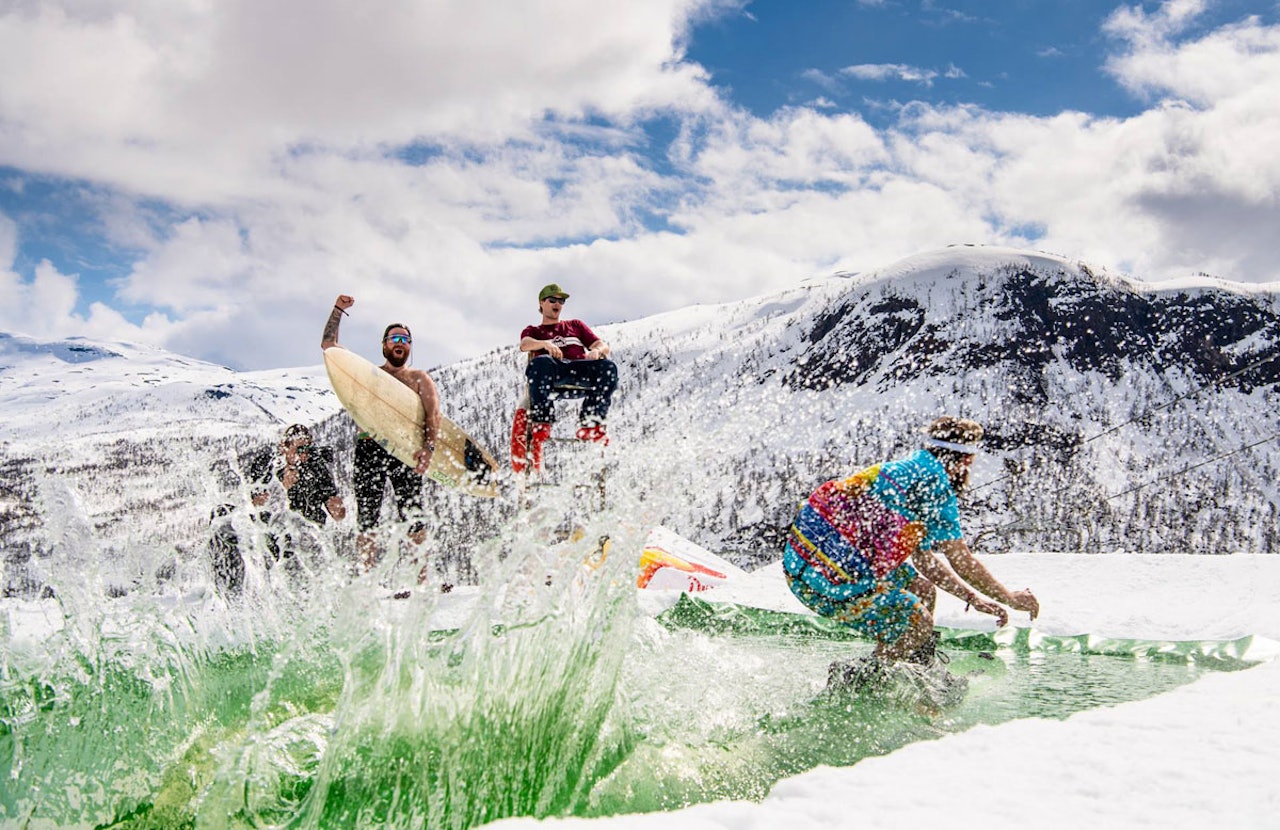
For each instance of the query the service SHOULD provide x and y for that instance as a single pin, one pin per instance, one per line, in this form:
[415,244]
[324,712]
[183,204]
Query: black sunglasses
[556,300]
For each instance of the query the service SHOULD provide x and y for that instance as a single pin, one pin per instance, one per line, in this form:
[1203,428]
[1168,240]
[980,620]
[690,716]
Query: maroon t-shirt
[572,336]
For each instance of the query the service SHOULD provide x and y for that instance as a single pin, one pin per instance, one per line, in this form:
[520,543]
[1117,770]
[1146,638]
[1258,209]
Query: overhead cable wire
[1152,410]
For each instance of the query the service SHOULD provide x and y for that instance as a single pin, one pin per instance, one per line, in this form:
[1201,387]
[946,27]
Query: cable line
[1197,465]
[1151,411]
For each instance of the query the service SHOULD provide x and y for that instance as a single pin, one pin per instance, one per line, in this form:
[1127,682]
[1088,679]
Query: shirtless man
[373,465]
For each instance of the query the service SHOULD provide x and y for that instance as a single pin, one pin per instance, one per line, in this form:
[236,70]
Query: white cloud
[196,267]
[45,306]
[1229,63]
[137,92]
[1144,29]
[8,240]
[747,158]
[284,192]
[823,80]
[890,71]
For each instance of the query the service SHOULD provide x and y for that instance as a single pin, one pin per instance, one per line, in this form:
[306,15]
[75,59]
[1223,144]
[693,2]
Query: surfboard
[668,562]
[393,416]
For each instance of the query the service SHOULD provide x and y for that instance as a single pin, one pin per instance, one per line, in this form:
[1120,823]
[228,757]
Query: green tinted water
[548,700]
[764,714]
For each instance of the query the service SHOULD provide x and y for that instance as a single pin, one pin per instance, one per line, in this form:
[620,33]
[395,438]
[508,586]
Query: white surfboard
[393,416]
[671,562]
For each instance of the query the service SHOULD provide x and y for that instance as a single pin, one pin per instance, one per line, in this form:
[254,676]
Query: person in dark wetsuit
[302,469]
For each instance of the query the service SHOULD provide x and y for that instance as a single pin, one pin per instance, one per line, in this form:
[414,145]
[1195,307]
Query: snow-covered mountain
[76,389]
[136,437]
[1121,415]
[1090,385]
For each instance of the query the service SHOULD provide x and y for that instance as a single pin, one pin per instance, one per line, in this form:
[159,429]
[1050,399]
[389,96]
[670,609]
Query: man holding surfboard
[374,465]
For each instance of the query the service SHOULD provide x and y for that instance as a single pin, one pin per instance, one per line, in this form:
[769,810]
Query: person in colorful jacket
[862,550]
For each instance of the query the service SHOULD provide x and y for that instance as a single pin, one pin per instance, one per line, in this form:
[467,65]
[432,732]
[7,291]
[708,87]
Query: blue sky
[1035,57]
[206,177]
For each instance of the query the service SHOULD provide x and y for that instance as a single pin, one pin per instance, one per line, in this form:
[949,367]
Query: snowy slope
[135,436]
[1120,415]
[57,391]
[1090,385]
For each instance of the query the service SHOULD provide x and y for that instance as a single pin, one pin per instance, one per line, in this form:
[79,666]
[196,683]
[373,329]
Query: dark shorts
[374,467]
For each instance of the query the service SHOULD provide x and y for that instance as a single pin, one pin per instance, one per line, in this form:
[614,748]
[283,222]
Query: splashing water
[315,698]
[312,699]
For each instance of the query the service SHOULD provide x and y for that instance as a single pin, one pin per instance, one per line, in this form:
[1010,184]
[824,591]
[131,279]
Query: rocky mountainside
[1121,415]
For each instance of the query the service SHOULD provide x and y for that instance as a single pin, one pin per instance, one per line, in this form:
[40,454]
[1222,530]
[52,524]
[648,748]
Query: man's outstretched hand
[1025,601]
[996,610]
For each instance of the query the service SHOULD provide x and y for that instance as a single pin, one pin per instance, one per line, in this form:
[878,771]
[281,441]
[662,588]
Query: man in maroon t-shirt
[568,360]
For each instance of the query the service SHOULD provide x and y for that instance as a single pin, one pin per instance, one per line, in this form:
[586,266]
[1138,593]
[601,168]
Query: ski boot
[939,686]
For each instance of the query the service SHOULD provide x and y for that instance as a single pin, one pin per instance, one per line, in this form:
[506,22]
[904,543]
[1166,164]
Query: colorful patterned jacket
[853,532]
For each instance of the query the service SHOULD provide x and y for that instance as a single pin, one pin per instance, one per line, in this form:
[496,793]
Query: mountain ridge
[1089,384]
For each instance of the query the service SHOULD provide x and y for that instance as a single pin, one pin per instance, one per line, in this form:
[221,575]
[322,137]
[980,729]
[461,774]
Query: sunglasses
[556,300]
[400,338]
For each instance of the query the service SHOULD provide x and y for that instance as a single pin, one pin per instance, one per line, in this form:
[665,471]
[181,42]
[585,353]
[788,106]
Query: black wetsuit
[307,498]
[314,486]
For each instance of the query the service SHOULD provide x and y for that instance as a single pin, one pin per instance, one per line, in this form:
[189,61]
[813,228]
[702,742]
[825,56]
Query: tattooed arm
[340,306]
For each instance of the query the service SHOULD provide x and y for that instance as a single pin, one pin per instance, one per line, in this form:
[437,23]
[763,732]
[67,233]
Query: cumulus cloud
[8,240]
[748,158]
[441,161]
[45,304]
[1146,29]
[1230,64]
[132,91]
[1188,185]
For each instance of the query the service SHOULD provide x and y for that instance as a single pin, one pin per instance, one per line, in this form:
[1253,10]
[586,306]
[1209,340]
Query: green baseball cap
[552,290]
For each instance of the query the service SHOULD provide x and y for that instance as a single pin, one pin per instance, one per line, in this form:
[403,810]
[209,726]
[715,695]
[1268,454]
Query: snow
[110,389]
[1202,755]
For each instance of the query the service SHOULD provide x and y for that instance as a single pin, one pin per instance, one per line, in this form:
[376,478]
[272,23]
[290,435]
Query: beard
[395,359]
